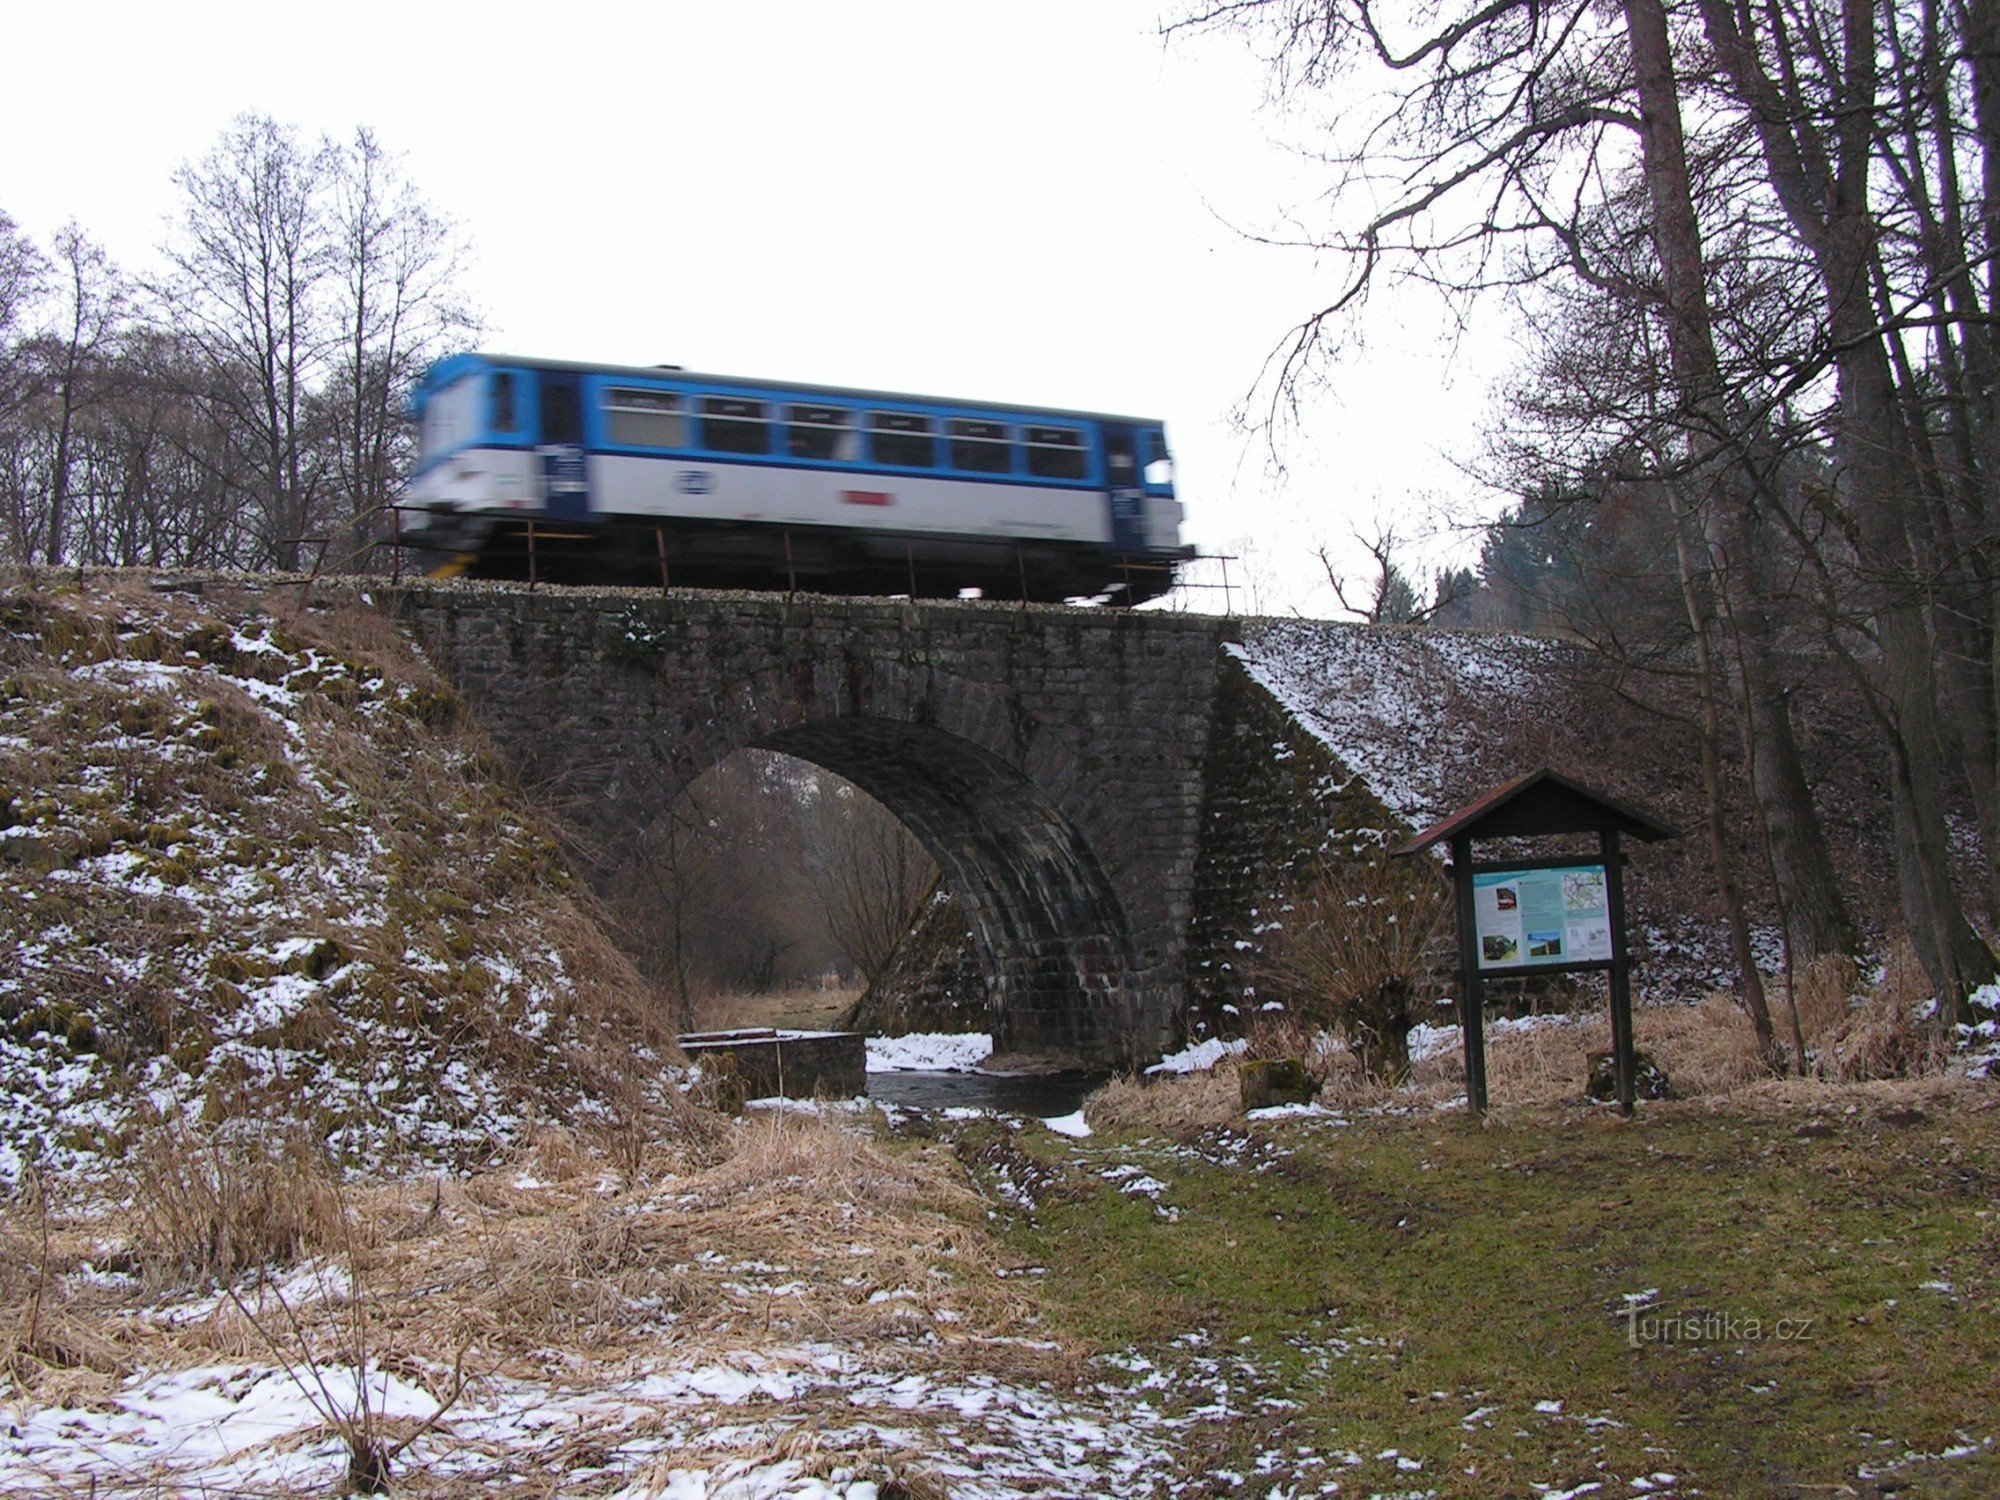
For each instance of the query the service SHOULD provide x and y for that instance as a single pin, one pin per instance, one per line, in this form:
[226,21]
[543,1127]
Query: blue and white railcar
[595,472]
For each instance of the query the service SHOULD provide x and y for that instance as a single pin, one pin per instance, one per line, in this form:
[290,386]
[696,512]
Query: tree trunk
[1822,182]
[1715,819]
[1815,912]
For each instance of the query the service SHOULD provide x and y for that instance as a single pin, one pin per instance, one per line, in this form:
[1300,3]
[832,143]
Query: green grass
[1422,1285]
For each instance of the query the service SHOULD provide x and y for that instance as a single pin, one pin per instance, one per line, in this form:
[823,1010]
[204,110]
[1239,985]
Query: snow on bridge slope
[1413,712]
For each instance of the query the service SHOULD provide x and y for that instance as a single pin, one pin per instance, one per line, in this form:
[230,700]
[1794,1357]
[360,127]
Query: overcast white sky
[1038,202]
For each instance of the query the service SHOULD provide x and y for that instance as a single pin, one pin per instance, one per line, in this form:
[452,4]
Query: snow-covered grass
[784,1308]
[665,1433]
[790,1309]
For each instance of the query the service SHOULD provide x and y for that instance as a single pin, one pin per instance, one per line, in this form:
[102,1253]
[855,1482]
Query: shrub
[1893,1031]
[213,1203]
[1355,952]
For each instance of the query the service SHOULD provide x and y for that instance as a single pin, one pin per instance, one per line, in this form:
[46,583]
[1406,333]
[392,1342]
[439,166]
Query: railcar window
[822,432]
[1055,453]
[1118,458]
[981,447]
[732,425]
[562,411]
[503,402]
[902,439]
[645,419]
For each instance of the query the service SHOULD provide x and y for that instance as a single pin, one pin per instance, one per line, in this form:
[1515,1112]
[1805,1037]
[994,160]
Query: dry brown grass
[804,1007]
[1878,1037]
[1181,1106]
[44,1346]
[352,631]
[207,1205]
[806,1450]
[1707,1051]
[780,1231]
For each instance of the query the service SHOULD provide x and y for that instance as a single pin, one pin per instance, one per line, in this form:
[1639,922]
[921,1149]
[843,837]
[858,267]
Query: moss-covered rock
[1266,1082]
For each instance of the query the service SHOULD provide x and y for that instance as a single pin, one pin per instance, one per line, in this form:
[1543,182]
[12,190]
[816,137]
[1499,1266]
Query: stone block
[768,1064]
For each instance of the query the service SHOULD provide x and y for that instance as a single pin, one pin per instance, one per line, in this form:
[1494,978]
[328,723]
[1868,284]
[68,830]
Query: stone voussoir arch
[1049,759]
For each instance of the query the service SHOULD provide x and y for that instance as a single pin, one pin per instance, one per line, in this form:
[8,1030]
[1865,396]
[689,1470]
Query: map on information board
[1555,916]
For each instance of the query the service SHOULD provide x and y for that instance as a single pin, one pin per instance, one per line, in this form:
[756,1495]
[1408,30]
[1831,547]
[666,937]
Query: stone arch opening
[765,879]
[1051,934]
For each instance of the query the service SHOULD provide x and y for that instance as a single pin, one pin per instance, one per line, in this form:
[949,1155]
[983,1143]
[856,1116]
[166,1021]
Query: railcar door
[1121,478]
[565,479]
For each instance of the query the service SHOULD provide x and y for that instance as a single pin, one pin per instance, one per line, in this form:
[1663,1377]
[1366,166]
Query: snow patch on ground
[1199,1057]
[254,1429]
[929,1052]
[1294,1112]
[1428,1041]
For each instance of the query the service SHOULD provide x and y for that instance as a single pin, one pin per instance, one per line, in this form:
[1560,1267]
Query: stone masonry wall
[1275,797]
[1051,759]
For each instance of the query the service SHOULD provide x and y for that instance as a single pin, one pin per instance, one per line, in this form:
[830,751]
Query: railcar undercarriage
[813,559]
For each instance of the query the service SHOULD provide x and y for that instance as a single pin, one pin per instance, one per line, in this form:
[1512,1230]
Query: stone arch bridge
[1051,760]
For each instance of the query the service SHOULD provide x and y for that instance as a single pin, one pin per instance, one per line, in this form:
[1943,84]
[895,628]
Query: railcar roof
[449,369]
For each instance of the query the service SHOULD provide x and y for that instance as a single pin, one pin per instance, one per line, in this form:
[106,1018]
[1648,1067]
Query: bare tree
[870,875]
[399,265]
[1392,598]
[249,285]
[23,273]
[1522,146]
[256,395]
[1811,90]
[79,360]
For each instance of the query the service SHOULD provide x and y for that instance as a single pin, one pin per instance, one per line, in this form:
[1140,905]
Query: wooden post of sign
[1623,1055]
[660,542]
[1471,988]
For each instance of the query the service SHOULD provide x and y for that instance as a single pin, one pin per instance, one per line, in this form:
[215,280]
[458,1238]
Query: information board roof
[1542,802]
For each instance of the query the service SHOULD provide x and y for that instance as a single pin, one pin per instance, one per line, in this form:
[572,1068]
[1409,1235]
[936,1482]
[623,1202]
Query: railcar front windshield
[1157,465]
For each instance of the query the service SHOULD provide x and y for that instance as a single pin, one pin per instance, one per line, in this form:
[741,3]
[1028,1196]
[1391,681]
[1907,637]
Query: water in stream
[1042,1095]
